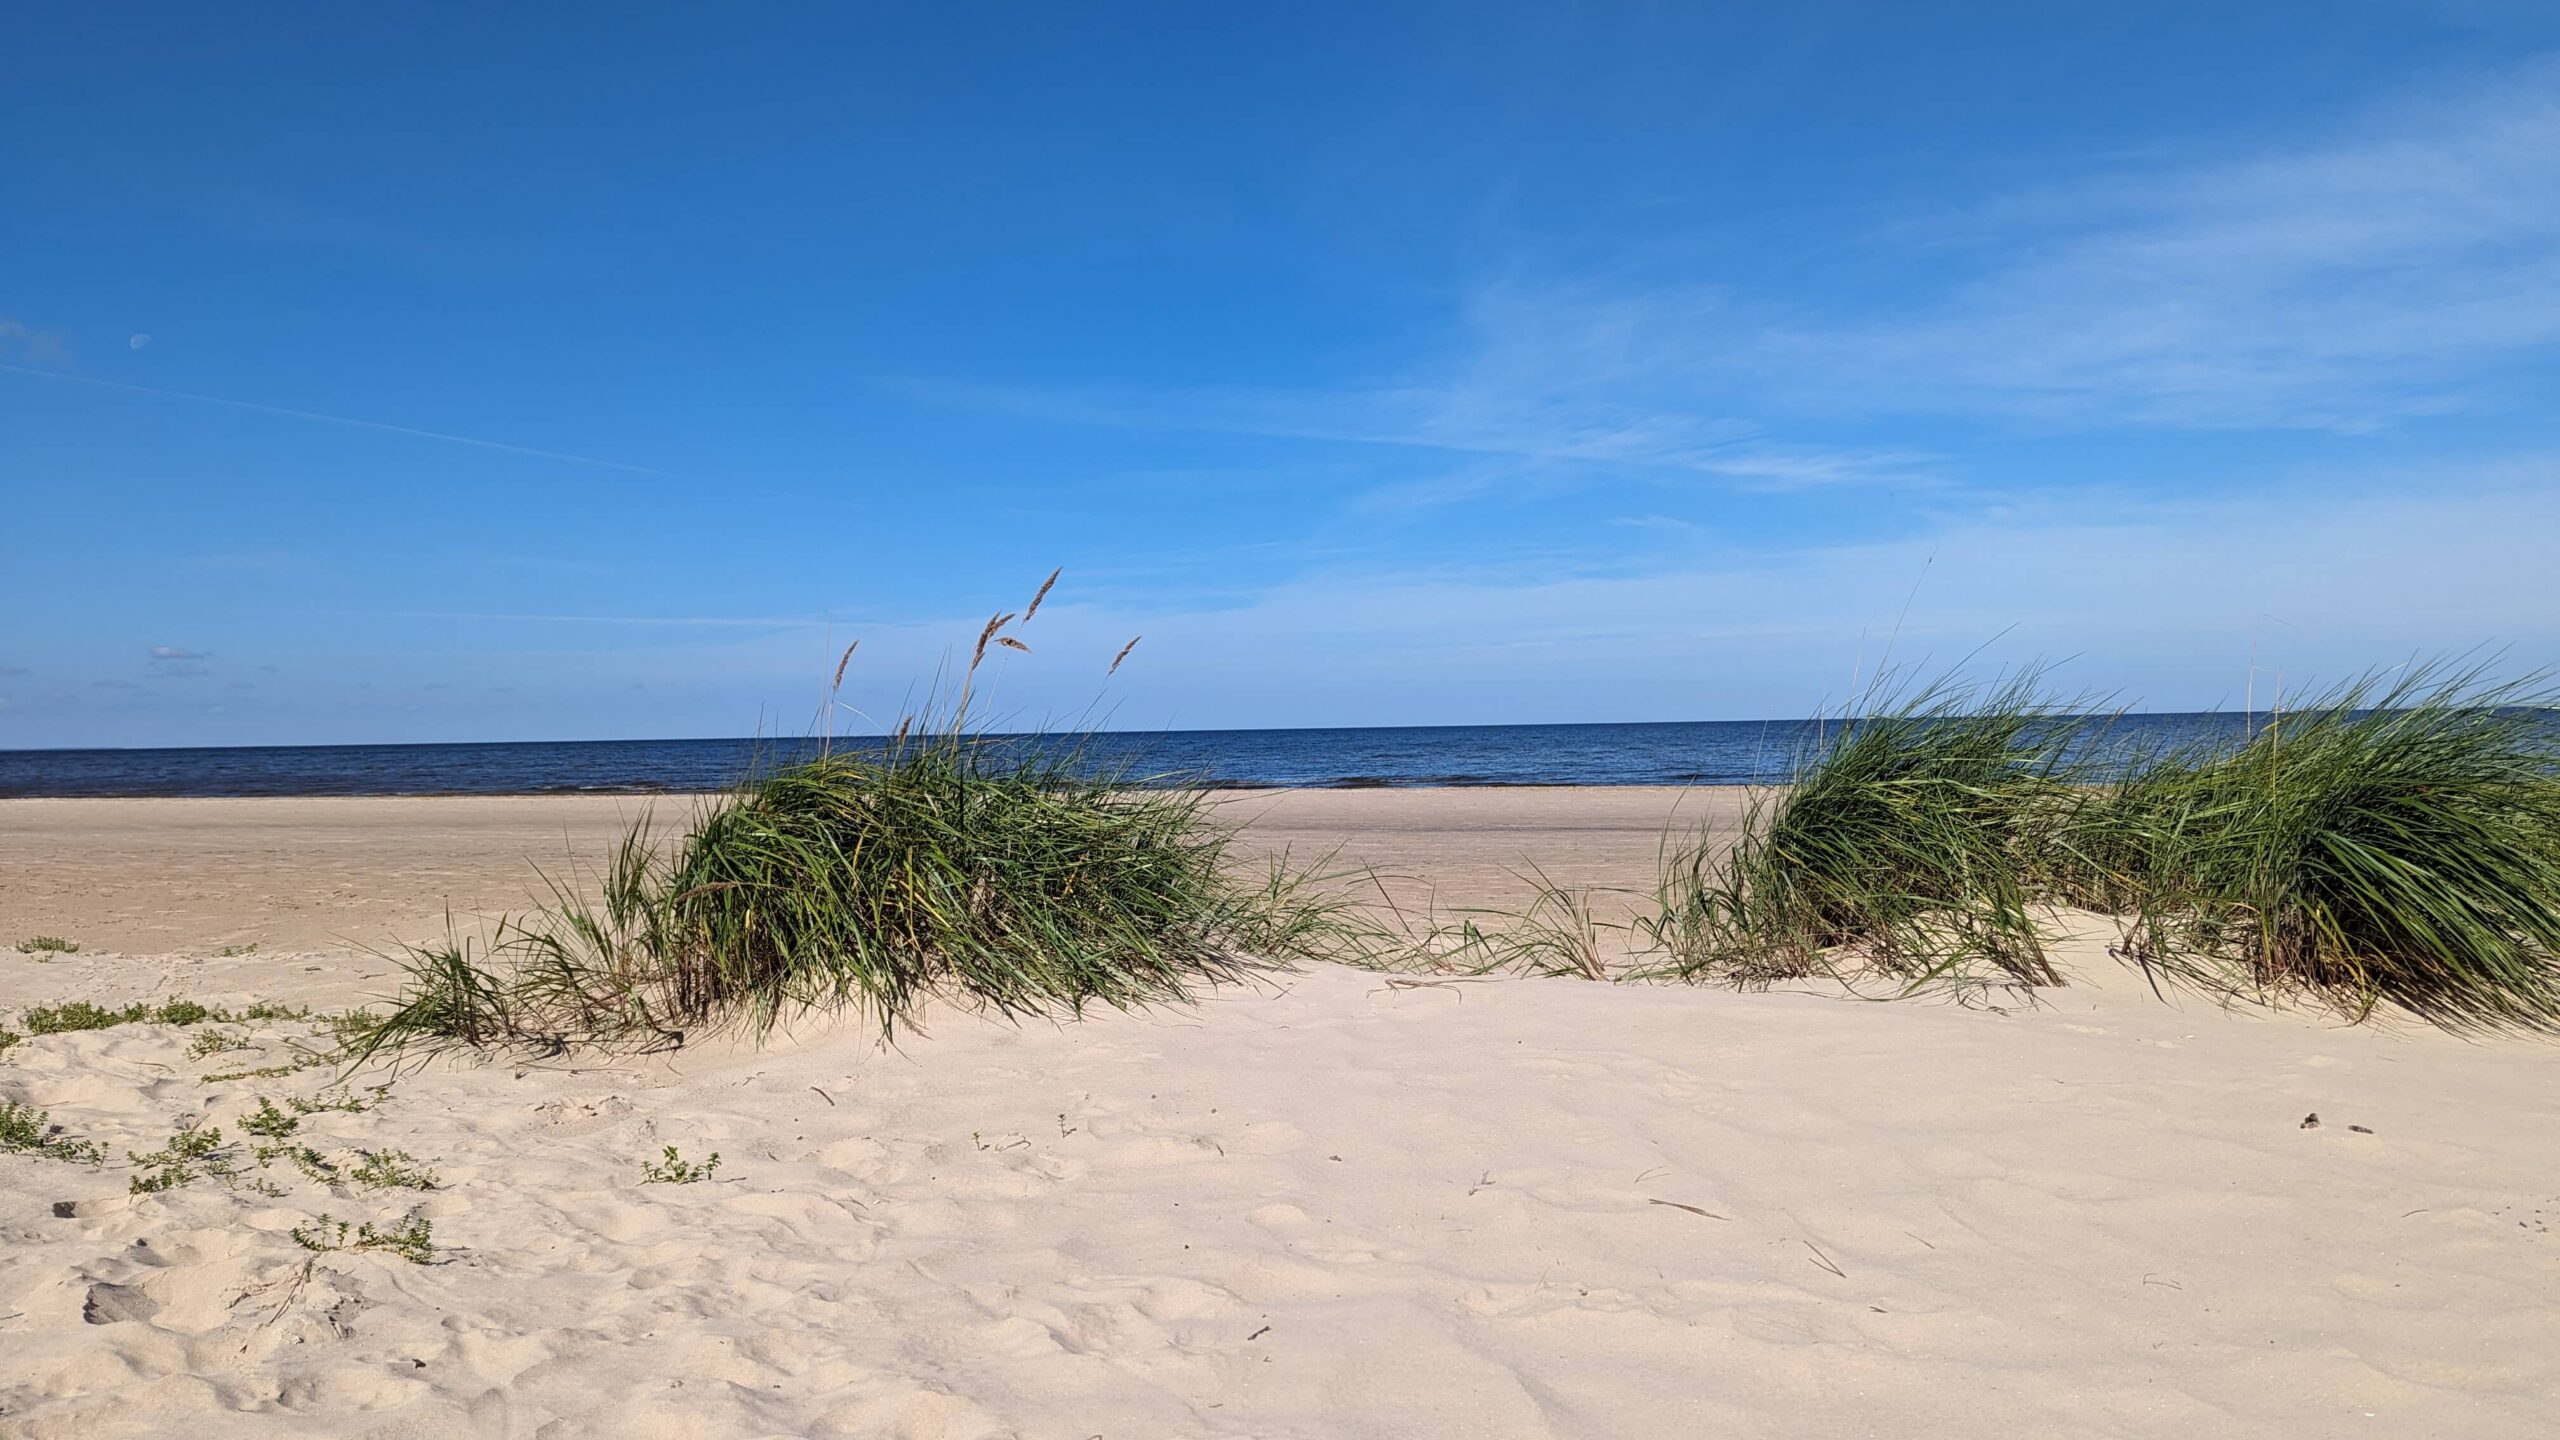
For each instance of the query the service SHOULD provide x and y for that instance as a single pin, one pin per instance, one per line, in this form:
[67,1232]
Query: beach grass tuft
[1557,933]
[2389,840]
[1901,847]
[1009,875]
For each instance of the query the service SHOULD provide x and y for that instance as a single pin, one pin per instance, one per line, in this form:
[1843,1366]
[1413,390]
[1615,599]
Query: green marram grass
[2389,841]
[1903,846]
[1005,875]
[2393,841]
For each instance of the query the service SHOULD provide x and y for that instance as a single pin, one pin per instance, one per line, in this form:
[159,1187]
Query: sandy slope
[1332,1205]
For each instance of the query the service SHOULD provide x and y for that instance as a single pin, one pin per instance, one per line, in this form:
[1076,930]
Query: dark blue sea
[1707,752]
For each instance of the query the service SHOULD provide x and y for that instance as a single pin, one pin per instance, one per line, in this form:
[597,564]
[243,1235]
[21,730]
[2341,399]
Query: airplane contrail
[339,420]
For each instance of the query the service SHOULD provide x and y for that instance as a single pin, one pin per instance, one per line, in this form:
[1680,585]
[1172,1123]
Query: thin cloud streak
[289,413]
[741,622]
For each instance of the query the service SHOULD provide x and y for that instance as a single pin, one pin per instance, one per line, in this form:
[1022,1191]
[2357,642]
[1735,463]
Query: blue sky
[379,373]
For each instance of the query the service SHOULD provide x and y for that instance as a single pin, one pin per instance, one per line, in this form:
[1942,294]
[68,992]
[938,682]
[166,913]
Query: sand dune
[1327,1205]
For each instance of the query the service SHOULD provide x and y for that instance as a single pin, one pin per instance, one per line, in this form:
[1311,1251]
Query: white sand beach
[1330,1203]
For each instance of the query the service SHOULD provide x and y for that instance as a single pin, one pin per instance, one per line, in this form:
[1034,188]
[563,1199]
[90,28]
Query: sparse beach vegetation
[216,1042]
[393,1170]
[269,1072]
[76,1015]
[194,1151]
[338,1099]
[671,1168]
[269,1123]
[1559,932]
[314,1165]
[25,1130]
[412,1238]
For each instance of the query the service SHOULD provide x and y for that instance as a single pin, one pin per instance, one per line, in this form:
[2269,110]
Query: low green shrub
[269,1123]
[25,1130]
[392,1170]
[413,1239]
[194,1152]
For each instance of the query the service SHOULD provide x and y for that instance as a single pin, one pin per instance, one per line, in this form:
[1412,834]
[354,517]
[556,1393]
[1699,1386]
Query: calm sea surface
[1711,752]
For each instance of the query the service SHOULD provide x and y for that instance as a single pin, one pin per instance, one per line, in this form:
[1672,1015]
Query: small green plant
[74,1015]
[305,1159]
[216,1042]
[413,1239]
[269,1123]
[9,1038]
[267,1072]
[193,1152]
[47,945]
[233,952]
[180,1012]
[264,1010]
[25,1130]
[338,1099]
[674,1169]
[394,1170]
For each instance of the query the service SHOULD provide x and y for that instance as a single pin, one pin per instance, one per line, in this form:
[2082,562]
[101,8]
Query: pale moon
[138,341]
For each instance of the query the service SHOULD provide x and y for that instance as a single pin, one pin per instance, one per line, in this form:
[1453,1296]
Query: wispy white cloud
[2401,262]
[21,341]
[2158,601]
[2156,598]
[1540,385]
[2340,282]
[177,662]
